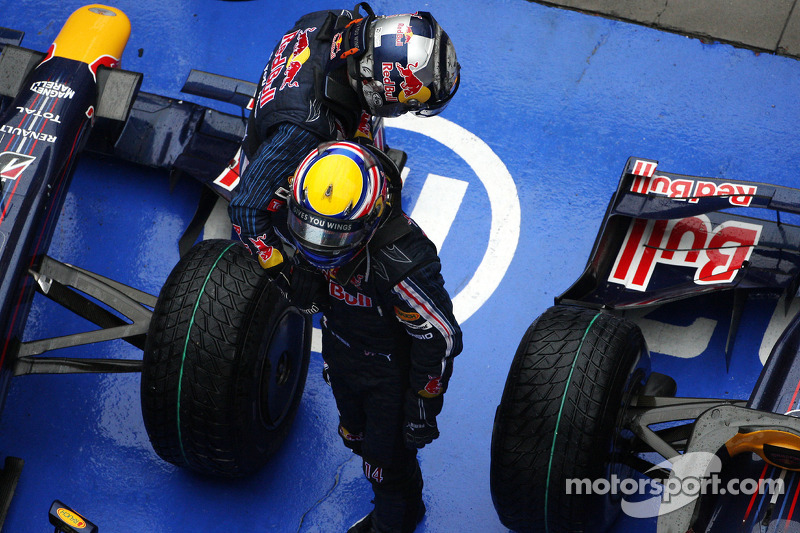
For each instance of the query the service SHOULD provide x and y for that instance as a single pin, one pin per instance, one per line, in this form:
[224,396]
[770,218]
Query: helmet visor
[448,74]
[324,235]
[430,110]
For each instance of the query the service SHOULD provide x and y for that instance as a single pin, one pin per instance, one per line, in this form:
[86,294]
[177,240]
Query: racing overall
[389,334]
[303,99]
[388,340]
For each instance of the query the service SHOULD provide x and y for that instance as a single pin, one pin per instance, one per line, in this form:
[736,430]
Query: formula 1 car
[225,357]
[581,402]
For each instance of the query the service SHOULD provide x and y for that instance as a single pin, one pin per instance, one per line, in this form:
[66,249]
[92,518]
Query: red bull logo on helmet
[389,87]
[404,34]
[411,88]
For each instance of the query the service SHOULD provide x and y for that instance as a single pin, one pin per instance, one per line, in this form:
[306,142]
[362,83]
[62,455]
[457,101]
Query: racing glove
[301,284]
[419,427]
[274,266]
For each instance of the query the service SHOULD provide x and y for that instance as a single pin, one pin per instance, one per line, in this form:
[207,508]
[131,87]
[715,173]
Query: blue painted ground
[557,98]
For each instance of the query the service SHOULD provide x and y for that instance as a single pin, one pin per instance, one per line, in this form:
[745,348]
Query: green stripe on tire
[186,344]
[558,421]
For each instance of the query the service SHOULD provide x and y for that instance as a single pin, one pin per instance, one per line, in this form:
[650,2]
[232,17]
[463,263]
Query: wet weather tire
[558,418]
[225,363]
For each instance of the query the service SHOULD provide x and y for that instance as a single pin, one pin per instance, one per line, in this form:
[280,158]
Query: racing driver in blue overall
[322,213]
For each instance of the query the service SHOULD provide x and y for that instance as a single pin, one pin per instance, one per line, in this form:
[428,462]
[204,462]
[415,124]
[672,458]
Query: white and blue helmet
[402,63]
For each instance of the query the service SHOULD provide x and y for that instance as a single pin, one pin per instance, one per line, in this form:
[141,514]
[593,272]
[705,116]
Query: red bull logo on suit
[293,64]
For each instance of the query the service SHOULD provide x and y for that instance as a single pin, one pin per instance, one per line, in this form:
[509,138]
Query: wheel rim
[281,371]
[622,437]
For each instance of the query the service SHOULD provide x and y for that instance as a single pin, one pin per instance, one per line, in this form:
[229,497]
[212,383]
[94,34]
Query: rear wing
[667,236]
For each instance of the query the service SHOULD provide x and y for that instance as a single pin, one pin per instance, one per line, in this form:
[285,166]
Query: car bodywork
[668,238]
[55,105]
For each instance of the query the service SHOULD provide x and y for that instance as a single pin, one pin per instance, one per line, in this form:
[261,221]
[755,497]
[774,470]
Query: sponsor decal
[373,354]
[411,87]
[50,53]
[52,89]
[229,177]
[264,250]
[716,253]
[403,35]
[336,44]
[357,280]
[404,316]
[37,113]
[364,126]
[389,87]
[330,225]
[692,190]
[424,325]
[300,55]
[71,518]
[13,164]
[422,336]
[90,111]
[104,61]
[351,437]
[273,70]
[28,134]
[275,205]
[357,300]
[433,388]
[644,168]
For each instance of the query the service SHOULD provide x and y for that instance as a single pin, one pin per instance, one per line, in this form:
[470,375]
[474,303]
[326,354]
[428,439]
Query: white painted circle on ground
[503,199]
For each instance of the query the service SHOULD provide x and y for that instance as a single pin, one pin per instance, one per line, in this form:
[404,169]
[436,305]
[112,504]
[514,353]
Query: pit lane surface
[512,181]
